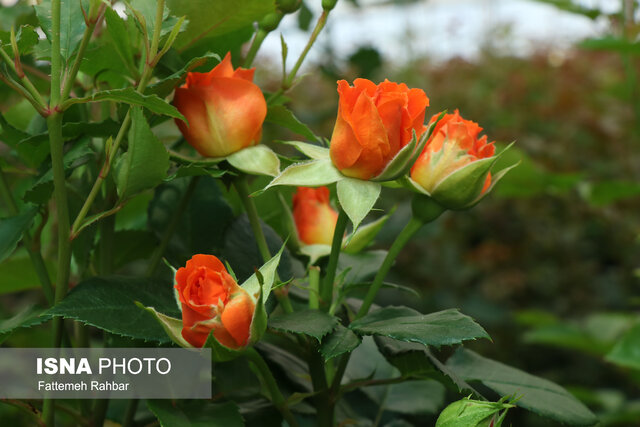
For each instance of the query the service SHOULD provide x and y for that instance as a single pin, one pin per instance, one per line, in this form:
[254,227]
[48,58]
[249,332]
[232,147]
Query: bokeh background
[549,264]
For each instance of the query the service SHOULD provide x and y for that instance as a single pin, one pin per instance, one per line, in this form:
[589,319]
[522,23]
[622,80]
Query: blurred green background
[549,264]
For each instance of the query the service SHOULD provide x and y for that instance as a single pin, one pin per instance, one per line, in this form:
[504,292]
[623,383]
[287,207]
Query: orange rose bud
[314,217]
[225,110]
[453,144]
[213,301]
[374,122]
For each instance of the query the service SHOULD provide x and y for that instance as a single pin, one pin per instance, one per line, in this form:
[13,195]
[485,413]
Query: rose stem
[288,80]
[326,288]
[249,206]
[401,240]
[271,384]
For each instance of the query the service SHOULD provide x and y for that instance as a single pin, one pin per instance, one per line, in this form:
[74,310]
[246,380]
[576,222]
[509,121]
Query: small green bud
[328,5]
[288,6]
[270,21]
[473,413]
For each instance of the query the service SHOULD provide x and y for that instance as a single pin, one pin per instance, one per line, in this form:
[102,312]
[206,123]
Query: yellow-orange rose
[453,144]
[213,301]
[374,122]
[314,217]
[225,110]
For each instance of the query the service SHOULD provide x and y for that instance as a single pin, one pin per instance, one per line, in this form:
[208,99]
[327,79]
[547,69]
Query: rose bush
[374,123]
[314,217]
[225,110]
[212,301]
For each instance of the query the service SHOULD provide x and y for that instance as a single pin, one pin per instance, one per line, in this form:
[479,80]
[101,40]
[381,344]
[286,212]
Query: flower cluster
[379,135]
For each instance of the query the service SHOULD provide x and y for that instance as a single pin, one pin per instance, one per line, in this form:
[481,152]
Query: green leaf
[340,341]
[308,174]
[608,192]
[27,38]
[282,116]
[268,272]
[627,351]
[11,230]
[535,394]
[29,316]
[146,161]
[364,235]
[71,24]
[109,303]
[201,228]
[418,397]
[165,86]
[209,19]
[471,413]
[171,325]
[117,30]
[195,413]
[194,170]
[146,10]
[312,151]
[416,361]
[32,155]
[256,160]
[72,130]
[313,323]
[357,198]
[612,44]
[446,327]
[574,7]
[361,266]
[129,96]
[17,274]
[42,189]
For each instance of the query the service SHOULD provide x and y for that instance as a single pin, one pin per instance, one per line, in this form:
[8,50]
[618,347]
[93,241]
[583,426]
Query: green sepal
[357,198]
[256,160]
[312,151]
[171,325]
[260,318]
[315,252]
[363,236]
[462,188]
[406,157]
[289,225]
[473,413]
[314,173]
[253,284]
[494,180]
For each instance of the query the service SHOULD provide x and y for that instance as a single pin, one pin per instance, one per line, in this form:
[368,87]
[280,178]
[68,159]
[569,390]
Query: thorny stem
[124,127]
[54,124]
